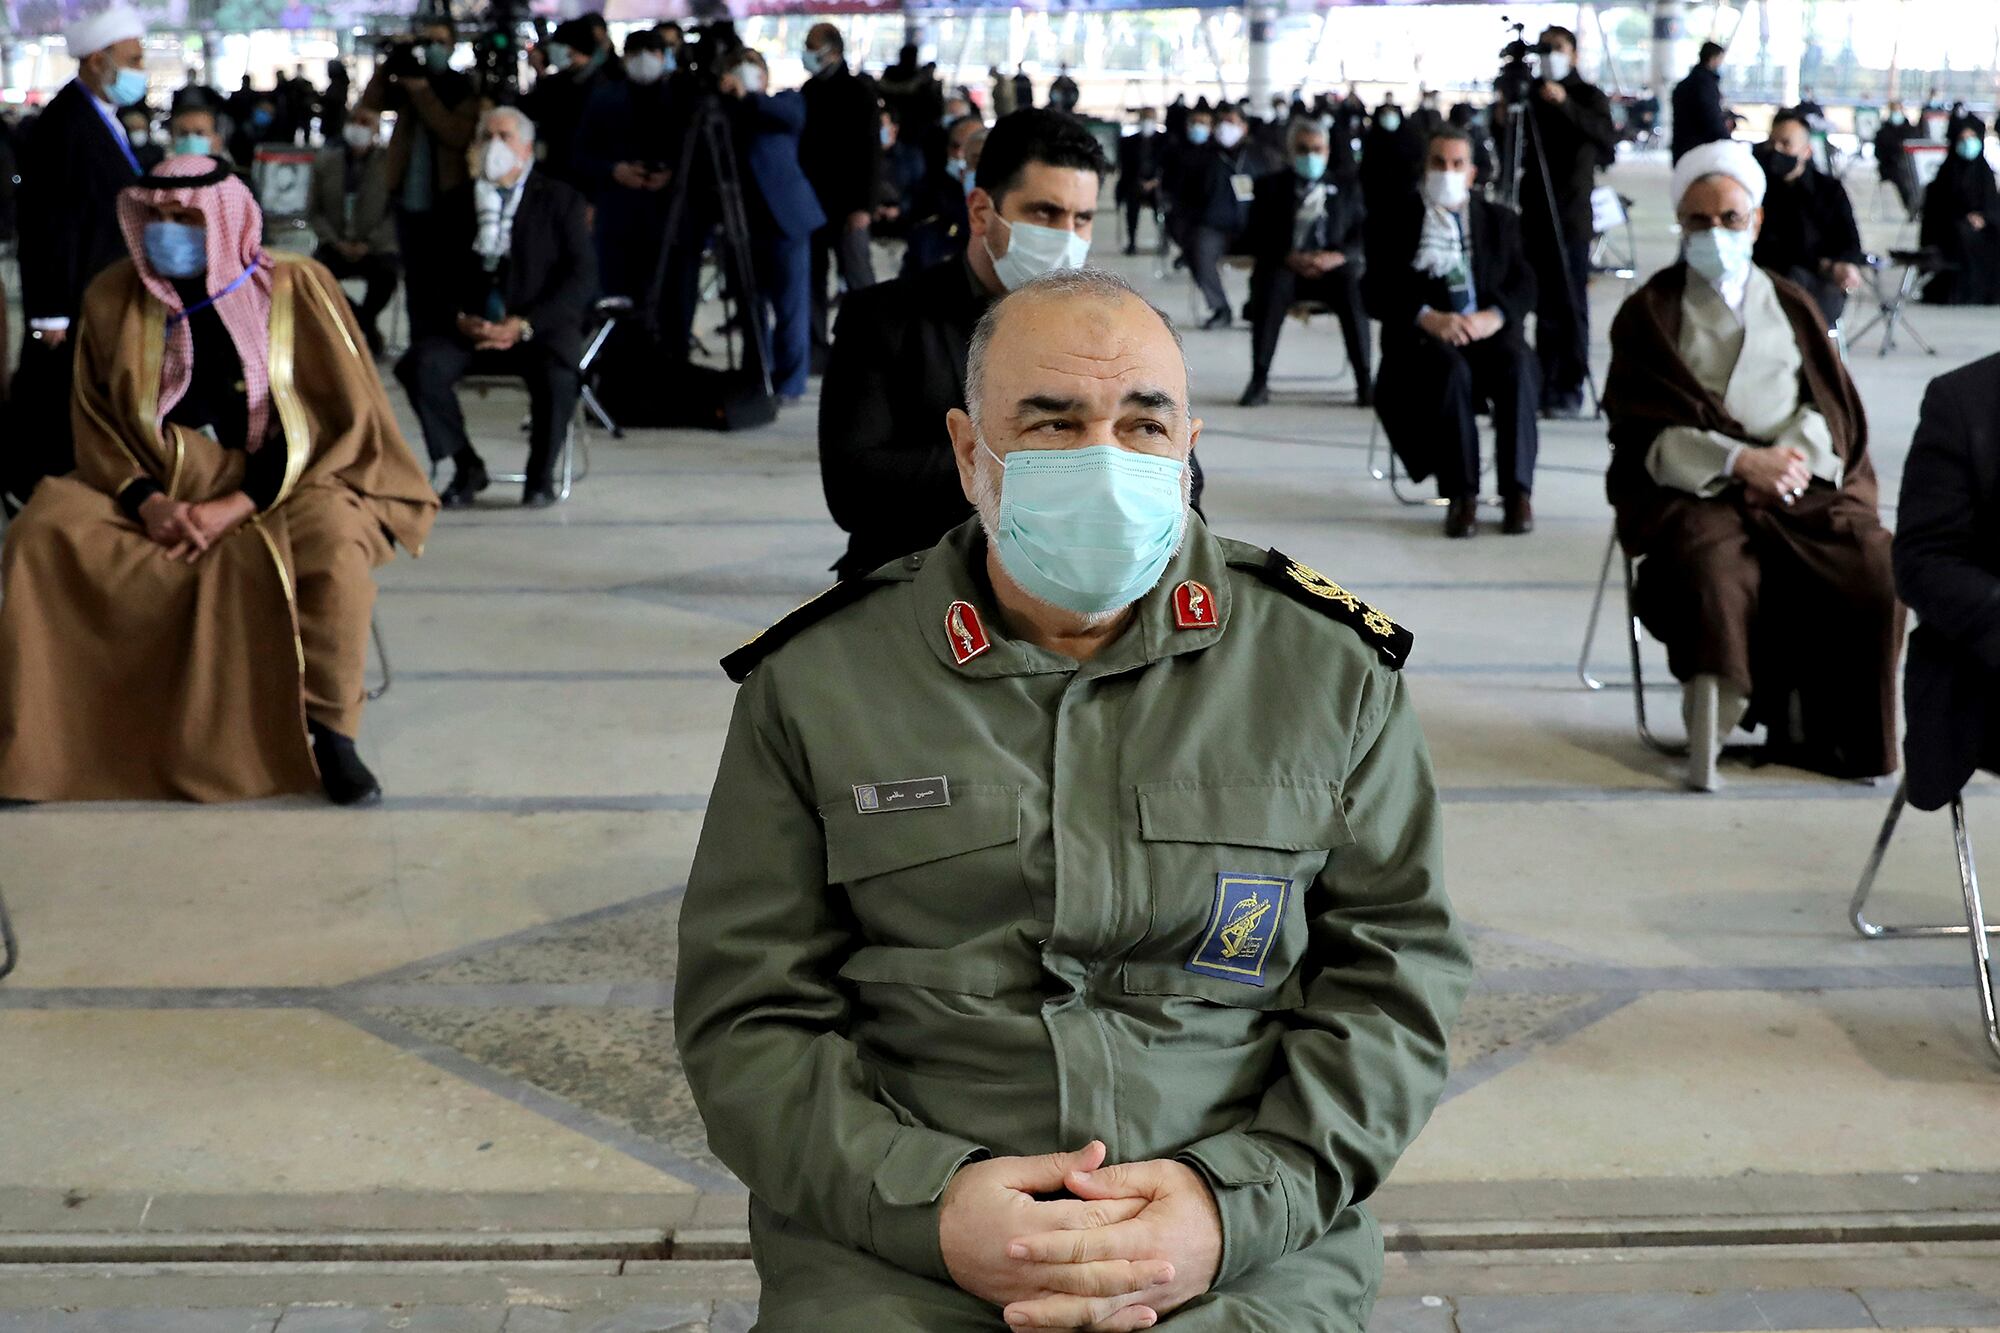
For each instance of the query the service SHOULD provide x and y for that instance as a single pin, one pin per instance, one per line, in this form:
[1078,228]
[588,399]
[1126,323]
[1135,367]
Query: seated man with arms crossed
[186,616]
[1067,941]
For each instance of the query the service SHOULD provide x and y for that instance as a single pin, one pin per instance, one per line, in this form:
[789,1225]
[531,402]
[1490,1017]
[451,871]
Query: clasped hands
[1132,1243]
[185,531]
[488,336]
[1459,330]
[638,176]
[1314,263]
[1772,475]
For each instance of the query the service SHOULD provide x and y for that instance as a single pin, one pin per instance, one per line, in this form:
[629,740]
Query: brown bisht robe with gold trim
[1776,601]
[124,674]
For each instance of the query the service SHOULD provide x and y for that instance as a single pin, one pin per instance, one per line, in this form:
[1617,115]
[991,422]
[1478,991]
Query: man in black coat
[1221,181]
[1306,228]
[1572,119]
[899,349]
[523,274]
[1947,554]
[1141,159]
[1452,289]
[1808,234]
[73,163]
[841,151]
[1699,114]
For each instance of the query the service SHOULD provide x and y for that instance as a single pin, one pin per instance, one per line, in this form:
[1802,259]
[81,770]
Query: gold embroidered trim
[284,395]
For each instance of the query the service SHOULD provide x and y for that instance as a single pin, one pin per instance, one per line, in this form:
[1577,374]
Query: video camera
[496,48]
[1516,81]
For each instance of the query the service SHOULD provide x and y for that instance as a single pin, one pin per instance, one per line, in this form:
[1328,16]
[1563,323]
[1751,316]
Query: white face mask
[1033,251]
[1447,189]
[497,160]
[1556,64]
[358,136]
[1229,134]
[1720,255]
[646,67]
[751,77]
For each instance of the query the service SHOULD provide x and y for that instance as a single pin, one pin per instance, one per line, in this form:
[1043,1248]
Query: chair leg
[568,463]
[1636,641]
[1374,439]
[382,656]
[1591,682]
[1857,910]
[1975,922]
[10,948]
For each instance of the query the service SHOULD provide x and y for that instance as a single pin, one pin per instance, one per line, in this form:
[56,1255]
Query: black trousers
[836,244]
[428,291]
[1135,203]
[1832,300]
[379,272]
[1562,308]
[1204,256]
[1429,394]
[37,436]
[434,365]
[1273,290]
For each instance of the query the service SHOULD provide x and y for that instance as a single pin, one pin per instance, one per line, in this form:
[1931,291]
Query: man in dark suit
[348,210]
[73,164]
[521,279]
[841,150]
[899,351]
[1306,229]
[1947,555]
[1221,181]
[1573,122]
[1452,288]
[1699,115]
[1141,158]
[765,128]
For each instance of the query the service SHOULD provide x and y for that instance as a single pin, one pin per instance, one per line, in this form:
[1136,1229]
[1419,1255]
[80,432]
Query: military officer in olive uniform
[1067,945]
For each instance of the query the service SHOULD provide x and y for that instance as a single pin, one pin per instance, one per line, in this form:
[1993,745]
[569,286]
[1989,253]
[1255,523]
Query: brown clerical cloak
[124,674]
[1794,607]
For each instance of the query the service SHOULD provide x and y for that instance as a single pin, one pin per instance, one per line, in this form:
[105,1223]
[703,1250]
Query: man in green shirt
[1067,945]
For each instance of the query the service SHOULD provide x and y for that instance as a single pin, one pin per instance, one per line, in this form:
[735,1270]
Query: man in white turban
[1740,474]
[72,167]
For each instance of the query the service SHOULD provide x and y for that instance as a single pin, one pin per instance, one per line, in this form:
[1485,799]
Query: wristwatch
[527,330]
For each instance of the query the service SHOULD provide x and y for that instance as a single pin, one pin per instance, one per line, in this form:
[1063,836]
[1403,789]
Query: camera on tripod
[1516,80]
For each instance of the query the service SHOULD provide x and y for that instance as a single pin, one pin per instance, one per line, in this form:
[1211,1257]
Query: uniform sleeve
[1365,1059]
[761,1021]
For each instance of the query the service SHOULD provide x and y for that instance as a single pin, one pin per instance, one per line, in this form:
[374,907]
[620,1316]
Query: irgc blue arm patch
[1242,926]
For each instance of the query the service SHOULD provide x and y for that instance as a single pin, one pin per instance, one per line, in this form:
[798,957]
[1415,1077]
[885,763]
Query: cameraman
[1577,135]
[437,111]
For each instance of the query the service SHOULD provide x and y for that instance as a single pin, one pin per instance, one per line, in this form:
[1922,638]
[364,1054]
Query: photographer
[627,149]
[437,111]
[1572,120]
[575,69]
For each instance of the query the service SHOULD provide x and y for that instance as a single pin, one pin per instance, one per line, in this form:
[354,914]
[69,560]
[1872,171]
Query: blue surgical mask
[1721,255]
[261,118]
[1969,149]
[1033,251]
[175,249]
[558,54]
[1089,530]
[1310,166]
[1390,121]
[815,61]
[193,145]
[1198,135]
[128,87]
[954,167]
[886,135]
[437,55]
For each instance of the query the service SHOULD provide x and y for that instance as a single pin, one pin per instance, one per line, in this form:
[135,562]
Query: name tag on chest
[1245,187]
[876,798]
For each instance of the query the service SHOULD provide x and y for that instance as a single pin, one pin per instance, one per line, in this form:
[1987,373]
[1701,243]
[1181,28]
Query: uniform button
[914,562]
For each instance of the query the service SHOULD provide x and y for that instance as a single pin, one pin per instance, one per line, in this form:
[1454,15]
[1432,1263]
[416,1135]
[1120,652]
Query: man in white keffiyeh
[1452,289]
[522,284]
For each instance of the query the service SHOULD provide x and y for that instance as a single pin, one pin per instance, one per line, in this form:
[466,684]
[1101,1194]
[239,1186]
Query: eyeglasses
[1730,221]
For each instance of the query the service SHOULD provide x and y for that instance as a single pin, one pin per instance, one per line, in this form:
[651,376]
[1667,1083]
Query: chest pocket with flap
[930,878]
[1229,864]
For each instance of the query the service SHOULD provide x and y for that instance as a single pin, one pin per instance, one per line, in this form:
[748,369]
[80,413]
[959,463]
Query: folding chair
[1975,927]
[1915,268]
[10,948]
[1394,477]
[382,656]
[1635,640]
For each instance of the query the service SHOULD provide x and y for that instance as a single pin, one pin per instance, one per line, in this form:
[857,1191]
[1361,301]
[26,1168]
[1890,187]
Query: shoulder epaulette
[1304,584]
[843,594]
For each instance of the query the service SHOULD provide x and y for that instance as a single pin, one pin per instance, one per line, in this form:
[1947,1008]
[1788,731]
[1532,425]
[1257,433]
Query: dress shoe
[344,777]
[1218,319]
[1566,407]
[1131,249]
[1461,518]
[1365,396]
[466,484]
[538,496]
[1255,394]
[1520,519]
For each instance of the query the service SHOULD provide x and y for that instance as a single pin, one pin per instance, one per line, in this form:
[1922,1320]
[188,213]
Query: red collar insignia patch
[964,632]
[1194,606]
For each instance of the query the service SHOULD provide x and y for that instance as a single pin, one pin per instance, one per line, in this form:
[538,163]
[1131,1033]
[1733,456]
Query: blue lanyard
[176,316]
[118,134]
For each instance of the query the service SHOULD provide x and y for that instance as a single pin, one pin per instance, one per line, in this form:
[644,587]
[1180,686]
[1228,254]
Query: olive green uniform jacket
[1186,898]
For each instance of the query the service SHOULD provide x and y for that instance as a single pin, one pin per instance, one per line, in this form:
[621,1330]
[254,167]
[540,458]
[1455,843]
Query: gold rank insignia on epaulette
[738,664]
[1305,584]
